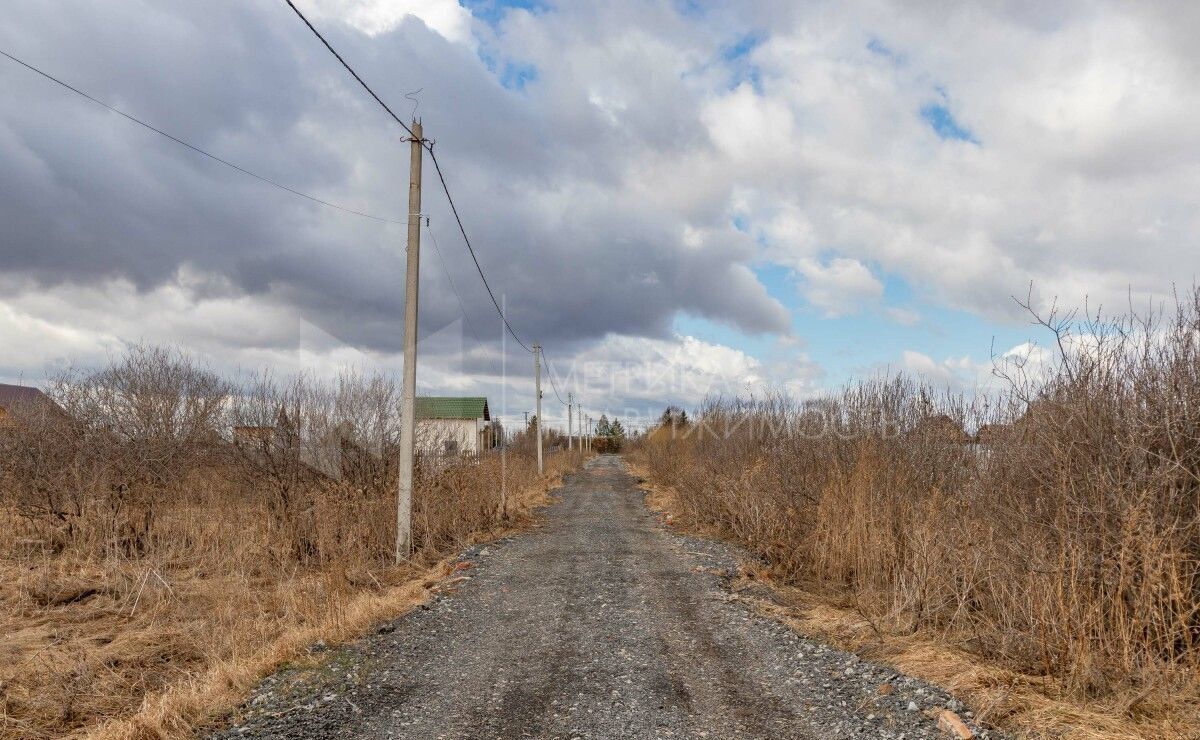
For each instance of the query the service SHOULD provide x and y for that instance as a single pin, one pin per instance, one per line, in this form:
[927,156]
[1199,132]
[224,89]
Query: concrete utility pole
[408,399]
[503,408]
[570,426]
[537,387]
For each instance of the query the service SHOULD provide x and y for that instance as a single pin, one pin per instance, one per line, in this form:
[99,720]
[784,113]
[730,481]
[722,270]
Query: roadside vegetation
[1035,549]
[610,436]
[167,537]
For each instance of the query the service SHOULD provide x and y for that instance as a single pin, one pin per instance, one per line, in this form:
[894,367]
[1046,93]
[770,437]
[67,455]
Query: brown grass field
[151,573]
[1036,550]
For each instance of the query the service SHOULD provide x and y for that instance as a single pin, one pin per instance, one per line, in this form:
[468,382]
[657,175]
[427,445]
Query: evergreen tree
[617,431]
[673,416]
[603,428]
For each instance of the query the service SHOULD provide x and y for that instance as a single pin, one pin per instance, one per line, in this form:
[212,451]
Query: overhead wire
[349,69]
[471,249]
[195,148]
[428,146]
[550,372]
[446,270]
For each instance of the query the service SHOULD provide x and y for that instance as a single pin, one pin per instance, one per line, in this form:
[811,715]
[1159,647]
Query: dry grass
[149,576]
[1025,705]
[1048,567]
[158,645]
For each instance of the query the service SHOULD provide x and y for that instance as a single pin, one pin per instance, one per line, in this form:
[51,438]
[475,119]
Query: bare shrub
[160,521]
[118,441]
[1055,526]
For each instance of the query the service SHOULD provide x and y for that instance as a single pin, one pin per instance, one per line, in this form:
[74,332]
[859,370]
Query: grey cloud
[89,196]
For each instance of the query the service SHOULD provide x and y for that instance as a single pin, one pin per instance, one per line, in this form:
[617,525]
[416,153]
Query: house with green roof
[454,425]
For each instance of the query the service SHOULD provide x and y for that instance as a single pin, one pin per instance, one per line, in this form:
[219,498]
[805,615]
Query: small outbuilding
[454,425]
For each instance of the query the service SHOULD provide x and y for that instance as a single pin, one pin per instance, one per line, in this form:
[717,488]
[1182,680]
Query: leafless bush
[1054,526]
[160,520]
[524,441]
[117,443]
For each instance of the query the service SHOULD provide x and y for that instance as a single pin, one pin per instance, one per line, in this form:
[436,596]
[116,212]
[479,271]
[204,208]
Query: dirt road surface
[599,624]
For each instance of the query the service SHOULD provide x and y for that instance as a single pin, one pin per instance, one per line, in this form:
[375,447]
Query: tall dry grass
[1052,528]
[168,536]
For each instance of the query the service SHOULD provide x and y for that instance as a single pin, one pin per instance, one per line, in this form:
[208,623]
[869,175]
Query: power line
[349,69]
[429,146]
[454,210]
[195,148]
[550,372]
[461,305]
[555,389]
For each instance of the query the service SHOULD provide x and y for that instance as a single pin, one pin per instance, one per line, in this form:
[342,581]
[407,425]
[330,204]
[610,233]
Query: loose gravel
[599,624]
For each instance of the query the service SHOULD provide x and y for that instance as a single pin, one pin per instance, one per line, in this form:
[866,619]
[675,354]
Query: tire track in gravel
[598,624]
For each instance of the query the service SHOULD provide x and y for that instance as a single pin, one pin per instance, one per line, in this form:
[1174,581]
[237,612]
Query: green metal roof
[452,407]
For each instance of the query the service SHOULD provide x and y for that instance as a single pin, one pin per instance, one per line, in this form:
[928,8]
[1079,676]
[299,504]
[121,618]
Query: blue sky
[868,342]
[492,11]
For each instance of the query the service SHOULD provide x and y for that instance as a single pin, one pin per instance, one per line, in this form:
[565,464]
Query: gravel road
[599,624]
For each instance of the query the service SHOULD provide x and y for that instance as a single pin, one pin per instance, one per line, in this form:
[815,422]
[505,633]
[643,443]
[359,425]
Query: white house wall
[433,434]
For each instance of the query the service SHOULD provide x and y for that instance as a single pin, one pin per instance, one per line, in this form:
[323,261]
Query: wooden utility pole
[408,398]
[537,388]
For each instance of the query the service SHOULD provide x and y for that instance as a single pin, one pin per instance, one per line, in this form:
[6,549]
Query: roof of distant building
[26,399]
[16,395]
[453,407]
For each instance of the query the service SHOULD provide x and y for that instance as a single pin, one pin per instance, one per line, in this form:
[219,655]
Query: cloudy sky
[674,197]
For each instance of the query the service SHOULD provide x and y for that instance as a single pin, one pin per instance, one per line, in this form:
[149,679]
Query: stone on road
[598,624]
